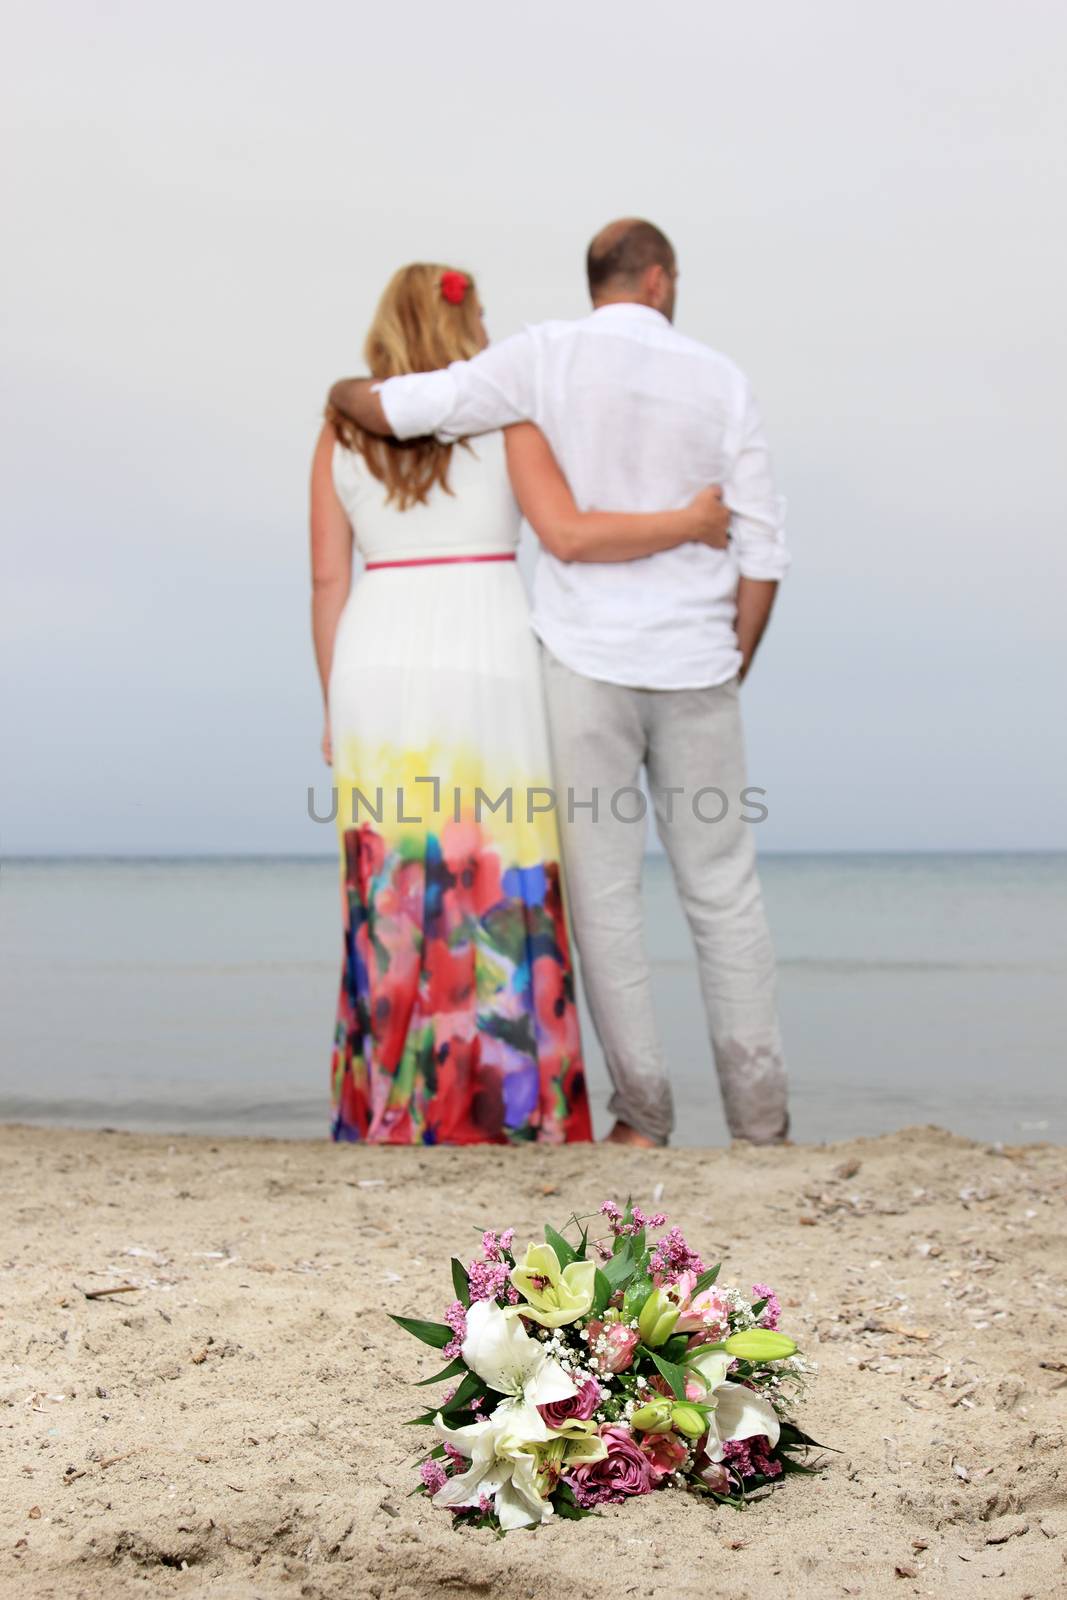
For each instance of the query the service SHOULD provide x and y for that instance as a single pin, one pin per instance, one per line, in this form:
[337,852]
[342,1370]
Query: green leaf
[602,1292]
[453,1370]
[425,1421]
[637,1292]
[757,1307]
[567,1507]
[619,1269]
[461,1282]
[706,1279]
[793,1439]
[737,1501]
[676,1348]
[472,1385]
[566,1252]
[436,1333]
[582,1242]
[674,1374]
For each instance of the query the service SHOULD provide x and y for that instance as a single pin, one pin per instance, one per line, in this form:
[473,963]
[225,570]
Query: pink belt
[438,561]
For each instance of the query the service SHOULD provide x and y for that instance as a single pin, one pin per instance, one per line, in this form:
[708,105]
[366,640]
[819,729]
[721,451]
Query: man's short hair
[624,250]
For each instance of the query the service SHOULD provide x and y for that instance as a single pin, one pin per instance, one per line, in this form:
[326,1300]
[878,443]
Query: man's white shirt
[639,418]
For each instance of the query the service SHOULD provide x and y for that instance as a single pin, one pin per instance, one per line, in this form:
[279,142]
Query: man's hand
[711,519]
[355,399]
[755,597]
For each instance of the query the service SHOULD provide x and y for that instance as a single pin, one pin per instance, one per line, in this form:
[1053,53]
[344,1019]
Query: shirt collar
[618,310]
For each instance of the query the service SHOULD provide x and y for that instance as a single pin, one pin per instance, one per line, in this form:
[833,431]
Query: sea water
[199,995]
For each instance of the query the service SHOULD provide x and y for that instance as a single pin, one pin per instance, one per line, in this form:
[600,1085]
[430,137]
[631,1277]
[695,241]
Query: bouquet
[596,1370]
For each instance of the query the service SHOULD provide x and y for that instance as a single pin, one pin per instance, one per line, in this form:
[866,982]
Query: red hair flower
[454,286]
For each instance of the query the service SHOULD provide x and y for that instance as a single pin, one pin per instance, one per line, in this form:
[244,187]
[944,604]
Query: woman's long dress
[457,1021]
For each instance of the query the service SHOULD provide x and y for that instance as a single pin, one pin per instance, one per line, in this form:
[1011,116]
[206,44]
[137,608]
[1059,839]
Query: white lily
[503,1448]
[503,1465]
[500,1351]
[739,1413]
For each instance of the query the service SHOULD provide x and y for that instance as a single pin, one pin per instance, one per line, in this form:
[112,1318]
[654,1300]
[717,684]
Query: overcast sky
[202,203]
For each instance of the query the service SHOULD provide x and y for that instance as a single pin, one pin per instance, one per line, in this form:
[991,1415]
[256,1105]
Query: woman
[457,1020]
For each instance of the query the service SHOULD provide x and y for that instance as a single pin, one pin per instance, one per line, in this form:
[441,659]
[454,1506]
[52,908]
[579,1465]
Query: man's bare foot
[622,1133]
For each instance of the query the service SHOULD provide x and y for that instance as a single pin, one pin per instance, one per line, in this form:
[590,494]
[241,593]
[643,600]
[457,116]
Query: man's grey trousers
[689,740]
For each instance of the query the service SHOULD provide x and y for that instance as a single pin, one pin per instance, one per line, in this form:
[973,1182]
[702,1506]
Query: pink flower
[772,1311]
[456,1318]
[750,1458]
[665,1452]
[671,1257]
[681,1291]
[637,1222]
[624,1471]
[619,1343]
[486,1280]
[707,1314]
[433,1475]
[579,1406]
[494,1245]
[717,1477]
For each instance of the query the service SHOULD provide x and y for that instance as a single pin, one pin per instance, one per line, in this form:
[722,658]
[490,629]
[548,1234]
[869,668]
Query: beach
[233,1422]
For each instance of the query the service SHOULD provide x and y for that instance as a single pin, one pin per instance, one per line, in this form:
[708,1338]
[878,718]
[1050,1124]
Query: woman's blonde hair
[418,327]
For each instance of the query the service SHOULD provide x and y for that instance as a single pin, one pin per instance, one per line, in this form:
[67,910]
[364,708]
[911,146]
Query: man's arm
[492,390]
[758,529]
[755,598]
[358,400]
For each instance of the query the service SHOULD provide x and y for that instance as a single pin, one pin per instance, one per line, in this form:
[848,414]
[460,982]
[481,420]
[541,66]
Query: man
[642,659]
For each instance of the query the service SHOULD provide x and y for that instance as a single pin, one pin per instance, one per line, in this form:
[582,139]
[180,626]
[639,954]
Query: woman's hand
[711,518]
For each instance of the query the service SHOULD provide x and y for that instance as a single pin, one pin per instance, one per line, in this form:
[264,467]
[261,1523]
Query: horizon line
[332,856]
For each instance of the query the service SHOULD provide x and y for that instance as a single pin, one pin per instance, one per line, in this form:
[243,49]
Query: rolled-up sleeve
[758,524]
[492,390]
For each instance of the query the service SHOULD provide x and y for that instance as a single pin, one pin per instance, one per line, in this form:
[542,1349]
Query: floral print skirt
[457,1020]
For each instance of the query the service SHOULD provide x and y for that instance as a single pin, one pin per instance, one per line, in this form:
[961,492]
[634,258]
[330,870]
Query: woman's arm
[331,564]
[548,506]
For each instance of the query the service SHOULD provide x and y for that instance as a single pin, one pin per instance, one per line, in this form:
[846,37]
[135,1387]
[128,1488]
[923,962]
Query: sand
[234,1425]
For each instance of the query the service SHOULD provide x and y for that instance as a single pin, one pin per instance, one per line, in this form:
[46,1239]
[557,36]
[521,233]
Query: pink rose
[620,1342]
[707,1314]
[665,1452]
[580,1406]
[624,1471]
